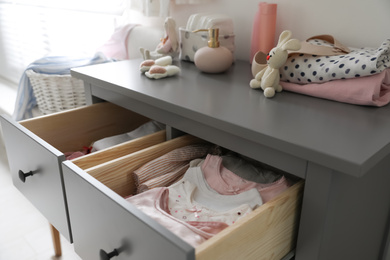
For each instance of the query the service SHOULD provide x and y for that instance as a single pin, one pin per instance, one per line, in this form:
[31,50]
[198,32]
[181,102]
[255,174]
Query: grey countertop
[347,138]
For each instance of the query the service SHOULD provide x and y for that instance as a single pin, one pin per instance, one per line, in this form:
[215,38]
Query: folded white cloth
[145,129]
[60,65]
[306,68]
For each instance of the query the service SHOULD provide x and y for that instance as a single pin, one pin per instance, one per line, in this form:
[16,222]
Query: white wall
[355,23]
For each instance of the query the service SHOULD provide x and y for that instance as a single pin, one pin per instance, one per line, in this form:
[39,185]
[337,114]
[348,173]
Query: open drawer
[36,147]
[104,224]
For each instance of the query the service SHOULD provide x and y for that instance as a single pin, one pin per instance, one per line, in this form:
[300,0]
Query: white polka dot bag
[323,59]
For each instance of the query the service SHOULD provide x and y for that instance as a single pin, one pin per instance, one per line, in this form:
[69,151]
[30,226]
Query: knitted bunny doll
[269,77]
[167,46]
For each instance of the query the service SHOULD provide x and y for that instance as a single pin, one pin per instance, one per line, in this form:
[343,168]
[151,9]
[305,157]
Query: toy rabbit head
[278,55]
[268,78]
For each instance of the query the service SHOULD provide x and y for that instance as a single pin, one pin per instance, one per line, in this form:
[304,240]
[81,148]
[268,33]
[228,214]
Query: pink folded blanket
[369,91]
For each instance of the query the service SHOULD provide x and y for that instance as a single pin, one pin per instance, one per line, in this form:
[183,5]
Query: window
[31,29]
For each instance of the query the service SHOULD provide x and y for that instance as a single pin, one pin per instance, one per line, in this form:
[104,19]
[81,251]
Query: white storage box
[190,42]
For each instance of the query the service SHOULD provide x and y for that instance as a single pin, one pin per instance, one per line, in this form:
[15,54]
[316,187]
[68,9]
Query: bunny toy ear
[172,32]
[291,45]
[284,37]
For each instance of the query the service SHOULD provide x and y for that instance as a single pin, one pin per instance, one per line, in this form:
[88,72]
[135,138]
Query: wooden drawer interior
[73,129]
[120,150]
[270,232]
[117,174]
[267,233]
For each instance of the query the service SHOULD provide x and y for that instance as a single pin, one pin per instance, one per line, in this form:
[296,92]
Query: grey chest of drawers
[341,151]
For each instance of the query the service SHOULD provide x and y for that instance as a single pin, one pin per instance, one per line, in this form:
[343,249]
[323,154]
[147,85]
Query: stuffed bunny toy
[167,46]
[269,77]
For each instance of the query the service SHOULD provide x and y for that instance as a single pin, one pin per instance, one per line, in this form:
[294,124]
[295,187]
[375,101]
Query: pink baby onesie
[194,222]
[154,203]
[226,182]
[191,199]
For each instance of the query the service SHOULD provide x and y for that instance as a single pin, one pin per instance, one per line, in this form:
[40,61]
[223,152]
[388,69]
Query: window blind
[31,29]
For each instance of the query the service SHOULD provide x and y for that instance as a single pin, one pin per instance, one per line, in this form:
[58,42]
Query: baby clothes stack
[166,169]
[207,199]
[224,181]
[358,76]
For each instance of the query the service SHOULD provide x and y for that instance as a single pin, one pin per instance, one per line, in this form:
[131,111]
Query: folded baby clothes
[226,182]
[77,154]
[145,129]
[191,199]
[154,203]
[196,162]
[192,210]
[369,91]
[251,171]
[73,155]
[306,68]
[163,180]
[169,163]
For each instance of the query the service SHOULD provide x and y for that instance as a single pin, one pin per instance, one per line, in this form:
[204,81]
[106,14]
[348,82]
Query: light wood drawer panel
[268,233]
[72,129]
[111,153]
[103,220]
[39,144]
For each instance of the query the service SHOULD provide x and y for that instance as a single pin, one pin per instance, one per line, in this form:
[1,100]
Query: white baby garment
[145,129]
[191,199]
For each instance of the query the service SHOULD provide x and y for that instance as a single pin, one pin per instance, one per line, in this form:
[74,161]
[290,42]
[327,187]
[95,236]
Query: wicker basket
[56,93]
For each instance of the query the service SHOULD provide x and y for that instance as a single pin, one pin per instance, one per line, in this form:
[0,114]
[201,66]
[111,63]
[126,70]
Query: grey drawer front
[102,220]
[27,152]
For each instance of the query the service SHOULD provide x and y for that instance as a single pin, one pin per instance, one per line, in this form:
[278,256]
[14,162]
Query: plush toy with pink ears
[168,46]
[268,78]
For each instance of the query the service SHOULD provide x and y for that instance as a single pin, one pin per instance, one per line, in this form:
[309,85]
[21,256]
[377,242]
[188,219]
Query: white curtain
[31,29]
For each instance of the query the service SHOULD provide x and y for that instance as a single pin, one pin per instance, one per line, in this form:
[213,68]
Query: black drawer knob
[23,176]
[125,248]
[108,256]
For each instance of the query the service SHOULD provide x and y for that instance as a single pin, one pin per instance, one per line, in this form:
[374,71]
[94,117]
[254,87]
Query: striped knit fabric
[163,180]
[164,170]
